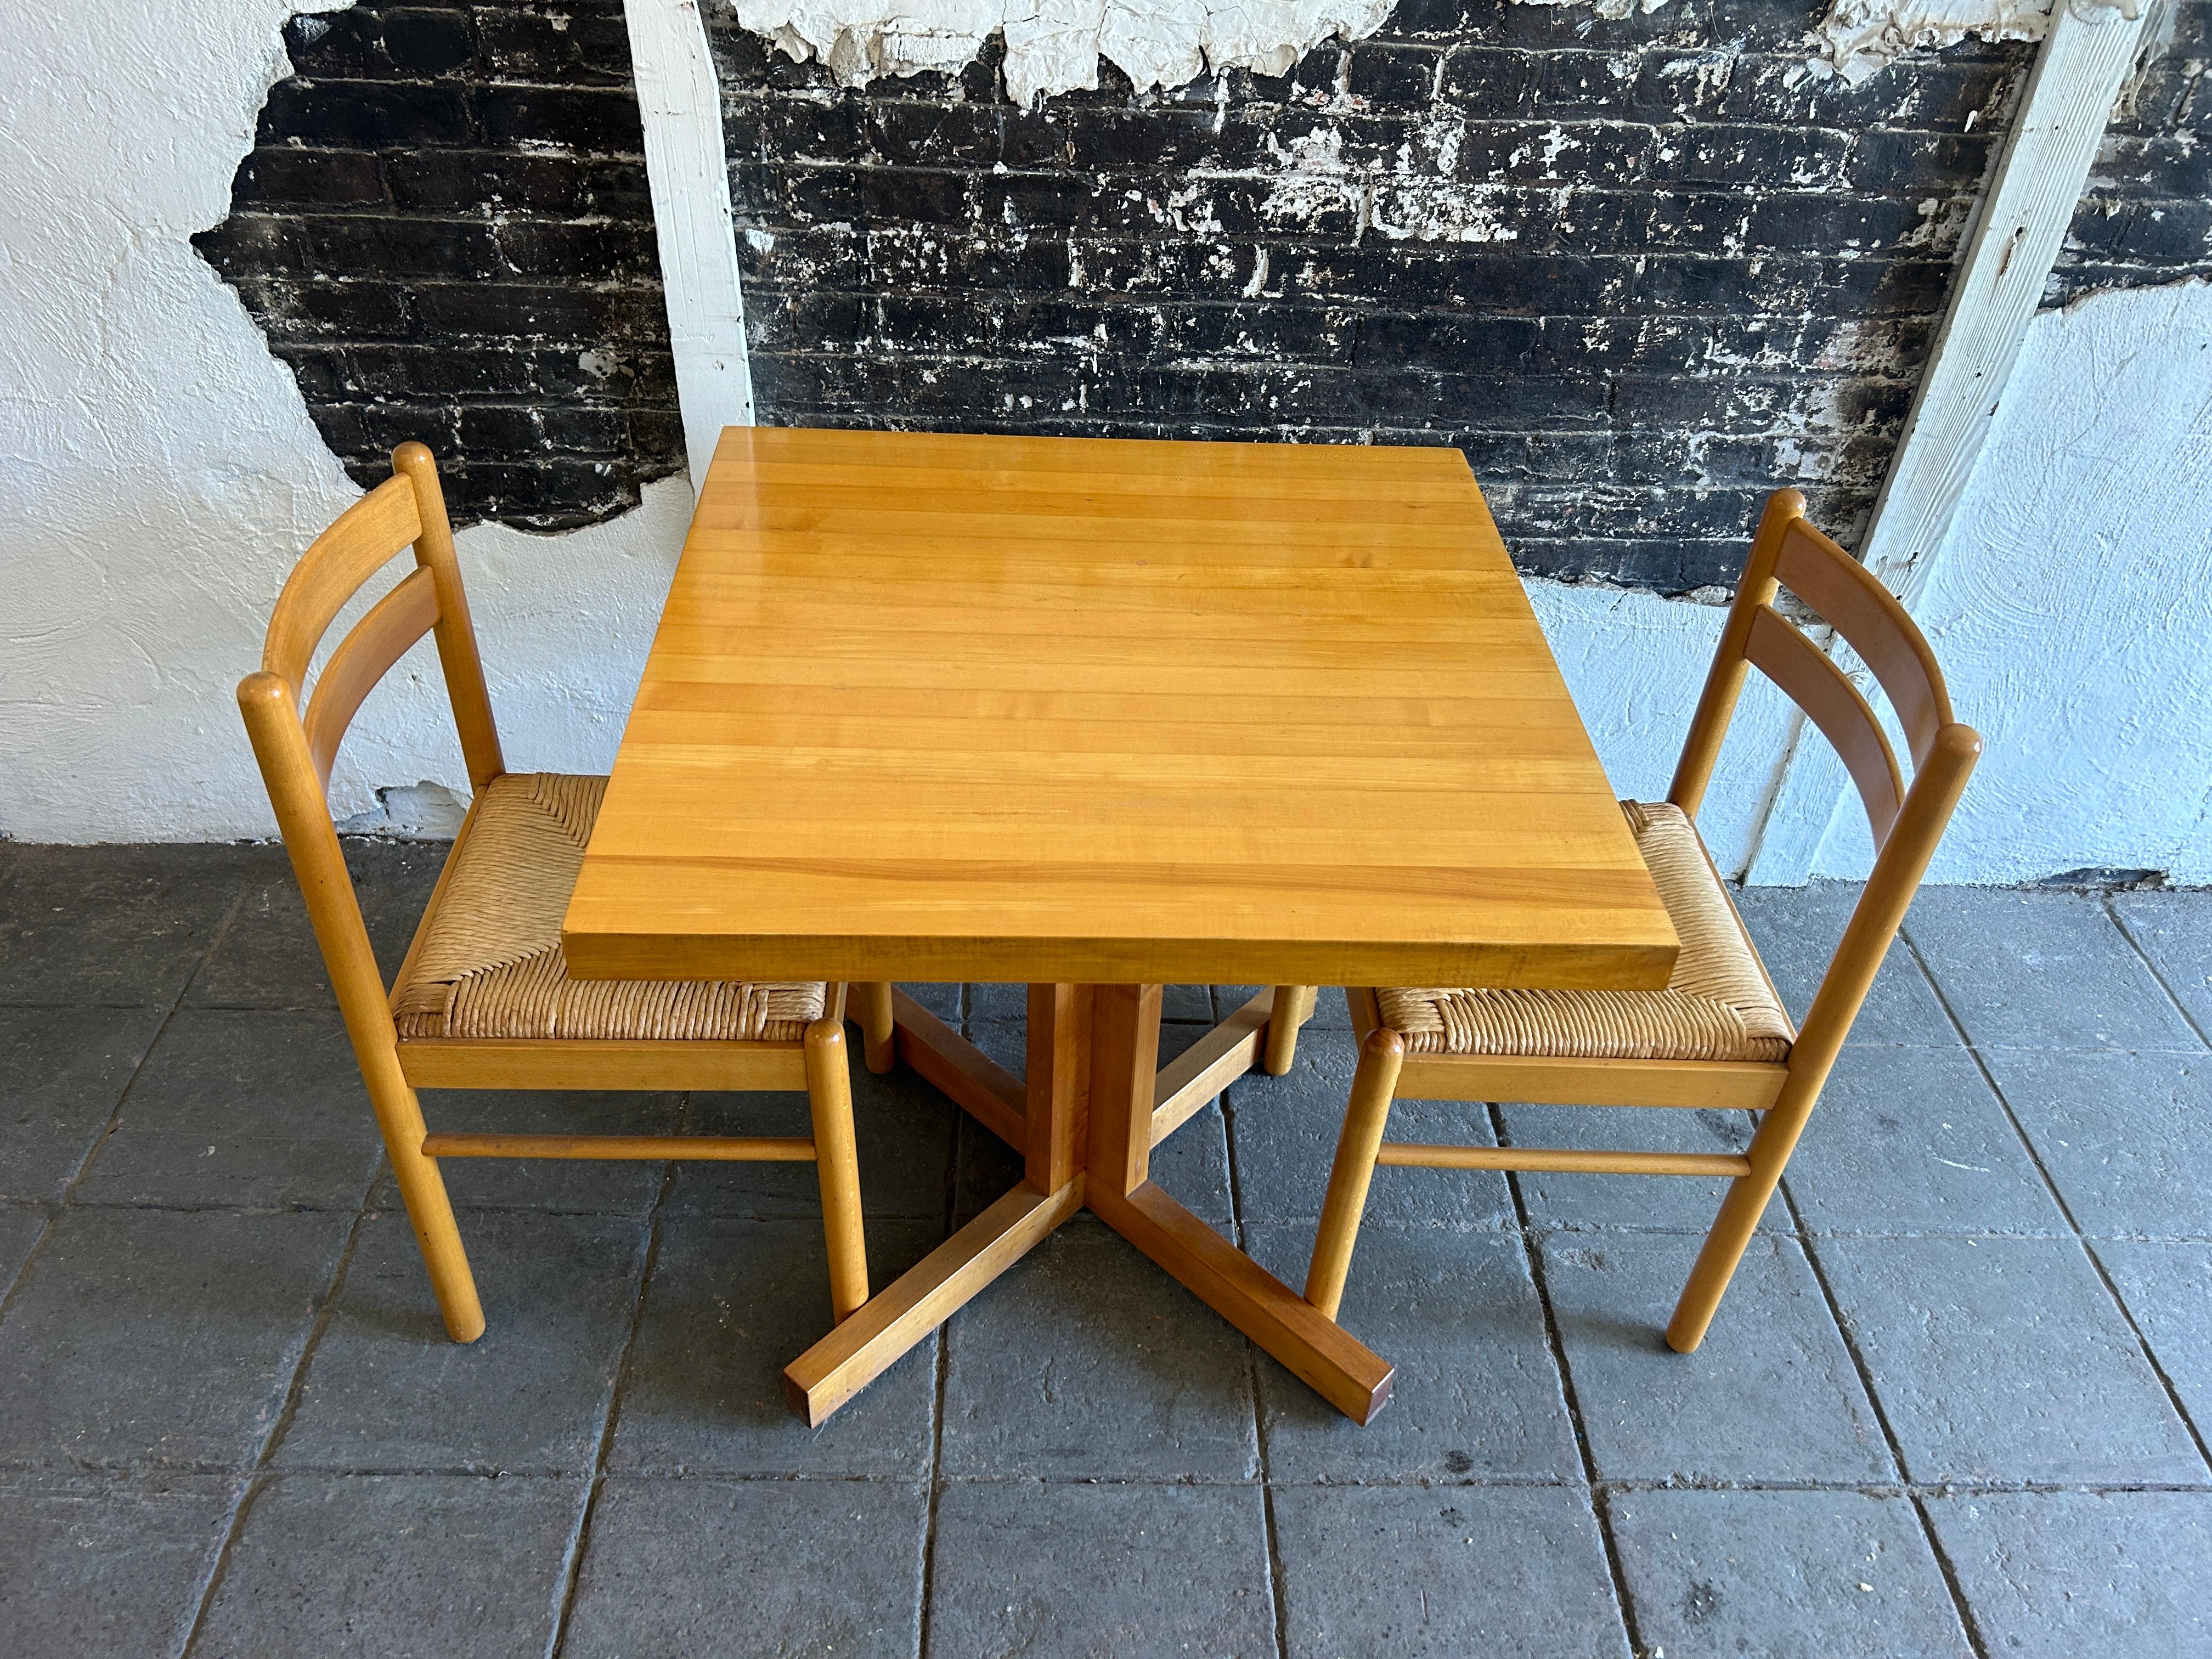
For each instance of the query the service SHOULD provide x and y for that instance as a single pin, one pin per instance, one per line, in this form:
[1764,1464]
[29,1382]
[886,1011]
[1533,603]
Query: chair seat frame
[1907,823]
[296,749]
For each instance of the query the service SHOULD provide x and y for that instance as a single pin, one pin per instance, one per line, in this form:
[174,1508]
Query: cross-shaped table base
[1095,1104]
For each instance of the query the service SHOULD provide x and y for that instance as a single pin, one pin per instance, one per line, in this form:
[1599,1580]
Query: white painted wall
[158,470]
[158,473]
[2072,603]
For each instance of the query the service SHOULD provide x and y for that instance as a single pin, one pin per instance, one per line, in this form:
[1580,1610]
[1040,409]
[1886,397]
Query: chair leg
[1356,1148]
[836,1164]
[879,1041]
[423,1188]
[1747,1200]
[1294,1006]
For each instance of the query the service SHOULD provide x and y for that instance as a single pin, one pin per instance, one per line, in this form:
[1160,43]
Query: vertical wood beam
[1125,1046]
[688,168]
[1058,1083]
[2085,61]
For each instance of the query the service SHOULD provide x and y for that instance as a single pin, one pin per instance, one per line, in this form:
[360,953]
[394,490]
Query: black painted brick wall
[1722,274]
[444,228]
[2147,215]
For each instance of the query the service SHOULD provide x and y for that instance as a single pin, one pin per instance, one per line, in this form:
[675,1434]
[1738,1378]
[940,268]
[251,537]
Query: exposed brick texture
[1662,270]
[1640,271]
[445,230]
[2146,215]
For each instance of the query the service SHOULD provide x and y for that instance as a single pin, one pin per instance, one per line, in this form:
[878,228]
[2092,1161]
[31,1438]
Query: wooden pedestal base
[1095,1106]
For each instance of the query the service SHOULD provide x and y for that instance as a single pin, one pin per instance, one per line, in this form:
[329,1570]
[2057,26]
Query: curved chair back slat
[1831,702]
[359,541]
[367,653]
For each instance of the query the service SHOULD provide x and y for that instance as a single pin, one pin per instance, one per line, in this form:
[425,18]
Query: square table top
[928,707]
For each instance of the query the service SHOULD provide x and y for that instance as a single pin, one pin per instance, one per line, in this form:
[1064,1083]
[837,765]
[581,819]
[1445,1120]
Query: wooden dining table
[1097,715]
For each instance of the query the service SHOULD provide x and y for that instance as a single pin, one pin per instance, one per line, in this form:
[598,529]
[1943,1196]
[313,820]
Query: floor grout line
[258,1476]
[1594,1493]
[2135,945]
[1261,1440]
[1960,1604]
[572,1563]
[2050,1185]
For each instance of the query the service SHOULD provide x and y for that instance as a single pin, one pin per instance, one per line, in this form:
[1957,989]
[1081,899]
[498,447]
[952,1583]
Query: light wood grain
[1055,711]
[1412,1154]
[904,1312]
[711,1149]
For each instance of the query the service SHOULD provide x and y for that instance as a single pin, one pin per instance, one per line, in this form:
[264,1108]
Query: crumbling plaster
[1056,45]
[158,472]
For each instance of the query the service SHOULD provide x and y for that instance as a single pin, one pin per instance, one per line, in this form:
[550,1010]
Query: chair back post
[1897,868]
[1709,726]
[311,840]
[456,632]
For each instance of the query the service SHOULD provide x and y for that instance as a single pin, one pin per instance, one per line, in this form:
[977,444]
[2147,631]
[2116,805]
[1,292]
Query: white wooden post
[689,171]
[2085,61]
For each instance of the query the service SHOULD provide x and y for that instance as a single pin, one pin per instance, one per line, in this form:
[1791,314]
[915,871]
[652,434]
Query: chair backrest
[1907,819]
[296,749]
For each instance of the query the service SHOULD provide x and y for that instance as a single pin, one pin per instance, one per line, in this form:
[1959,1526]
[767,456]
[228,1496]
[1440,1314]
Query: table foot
[898,1317]
[1327,1357]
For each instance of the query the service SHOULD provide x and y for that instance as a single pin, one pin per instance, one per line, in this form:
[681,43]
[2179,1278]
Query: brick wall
[2147,215]
[1640,271]
[444,228]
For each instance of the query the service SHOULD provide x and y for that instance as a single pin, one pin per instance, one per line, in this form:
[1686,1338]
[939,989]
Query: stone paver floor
[1956,1403]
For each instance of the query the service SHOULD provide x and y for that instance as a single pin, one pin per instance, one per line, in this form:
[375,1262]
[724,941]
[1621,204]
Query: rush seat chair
[484,1000]
[1717,1035]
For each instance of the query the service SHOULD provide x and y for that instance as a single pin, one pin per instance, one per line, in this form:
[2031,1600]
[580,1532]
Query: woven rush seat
[488,963]
[1718,1005]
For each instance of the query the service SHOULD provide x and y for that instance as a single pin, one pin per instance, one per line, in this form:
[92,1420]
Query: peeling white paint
[1054,45]
[158,472]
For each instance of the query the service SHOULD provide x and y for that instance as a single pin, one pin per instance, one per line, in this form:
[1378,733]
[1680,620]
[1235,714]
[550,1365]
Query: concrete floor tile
[387,1389]
[1771,1394]
[2167,1288]
[160,1337]
[1330,1012]
[1681,1202]
[1101,1571]
[903,1127]
[2127,1138]
[1797,930]
[1785,1575]
[2081,1575]
[708,1567]
[380,1564]
[2005,1359]
[243,1108]
[1285,1131]
[62,1070]
[268,956]
[593,1187]
[2042,970]
[92,1565]
[1476,1395]
[1086,1361]
[2174,930]
[1507,1572]
[1912,1140]
[120,925]
[731,1302]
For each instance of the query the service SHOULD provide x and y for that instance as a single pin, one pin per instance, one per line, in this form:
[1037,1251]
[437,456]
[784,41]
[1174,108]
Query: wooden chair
[484,1000]
[1717,1035]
